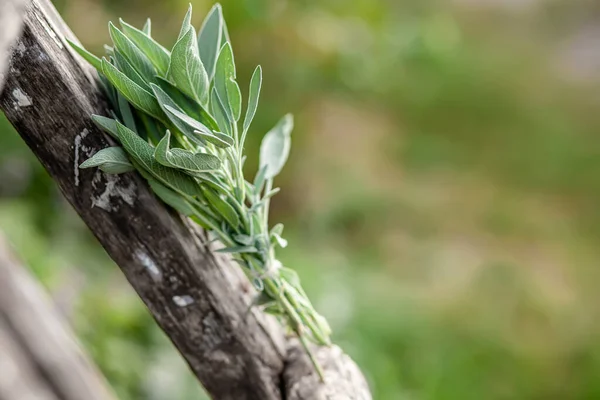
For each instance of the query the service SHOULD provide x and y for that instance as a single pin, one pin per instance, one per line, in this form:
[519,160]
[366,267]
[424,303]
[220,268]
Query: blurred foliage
[443,187]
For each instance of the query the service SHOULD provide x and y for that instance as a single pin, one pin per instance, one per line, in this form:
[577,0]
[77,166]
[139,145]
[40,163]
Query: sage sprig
[176,116]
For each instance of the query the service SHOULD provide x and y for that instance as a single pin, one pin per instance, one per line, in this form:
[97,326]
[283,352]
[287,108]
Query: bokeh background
[442,199]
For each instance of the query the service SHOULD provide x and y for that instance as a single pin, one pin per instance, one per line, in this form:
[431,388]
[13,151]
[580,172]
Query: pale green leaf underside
[221,207]
[112,160]
[275,147]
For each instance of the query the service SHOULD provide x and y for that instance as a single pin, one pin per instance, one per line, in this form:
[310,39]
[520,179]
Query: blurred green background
[441,199]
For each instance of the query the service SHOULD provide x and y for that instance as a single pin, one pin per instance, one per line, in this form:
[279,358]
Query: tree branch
[37,344]
[11,19]
[201,301]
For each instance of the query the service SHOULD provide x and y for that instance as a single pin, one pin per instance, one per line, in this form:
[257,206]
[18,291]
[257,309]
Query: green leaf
[132,53]
[216,138]
[243,239]
[108,125]
[148,27]
[158,55]
[165,101]
[125,67]
[189,121]
[133,92]
[279,240]
[89,57]
[277,229]
[112,160]
[221,207]
[275,146]
[218,111]
[209,39]
[227,88]
[170,197]
[126,114]
[186,69]
[259,180]
[188,105]
[238,249]
[187,23]
[183,159]
[253,95]
[143,154]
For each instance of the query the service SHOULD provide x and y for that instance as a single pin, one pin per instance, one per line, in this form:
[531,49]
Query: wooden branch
[39,355]
[11,19]
[201,301]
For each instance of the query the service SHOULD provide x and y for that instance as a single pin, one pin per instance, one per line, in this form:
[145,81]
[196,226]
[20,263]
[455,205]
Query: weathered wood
[39,355]
[199,300]
[11,19]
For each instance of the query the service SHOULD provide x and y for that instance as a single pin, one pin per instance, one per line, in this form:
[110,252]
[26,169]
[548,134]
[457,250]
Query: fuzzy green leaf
[112,160]
[186,69]
[89,57]
[243,239]
[183,159]
[108,125]
[188,105]
[238,249]
[158,55]
[186,25]
[227,88]
[147,29]
[126,114]
[218,111]
[125,67]
[216,138]
[253,95]
[133,92]
[209,39]
[132,53]
[165,101]
[222,207]
[170,197]
[143,154]
[275,146]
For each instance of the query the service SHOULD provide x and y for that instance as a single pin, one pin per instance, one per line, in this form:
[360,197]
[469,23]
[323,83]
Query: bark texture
[39,356]
[200,300]
[11,19]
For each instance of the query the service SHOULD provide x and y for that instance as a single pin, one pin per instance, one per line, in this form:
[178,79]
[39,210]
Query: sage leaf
[158,55]
[277,229]
[143,154]
[125,67]
[112,160]
[183,159]
[218,111]
[238,249]
[209,39]
[132,53]
[186,69]
[227,88]
[253,95]
[170,197]
[221,207]
[133,92]
[216,138]
[243,239]
[188,105]
[259,180]
[187,23]
[275,146]
[108,125]
[89,57]
[189,121]
[126,114]
[165,101]
[147,29]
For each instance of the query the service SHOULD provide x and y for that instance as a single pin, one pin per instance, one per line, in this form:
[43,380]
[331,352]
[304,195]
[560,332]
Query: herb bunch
[176,115]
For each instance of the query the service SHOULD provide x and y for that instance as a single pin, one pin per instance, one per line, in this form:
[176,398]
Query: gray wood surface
[201,301]
[11,20]
[39,355]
